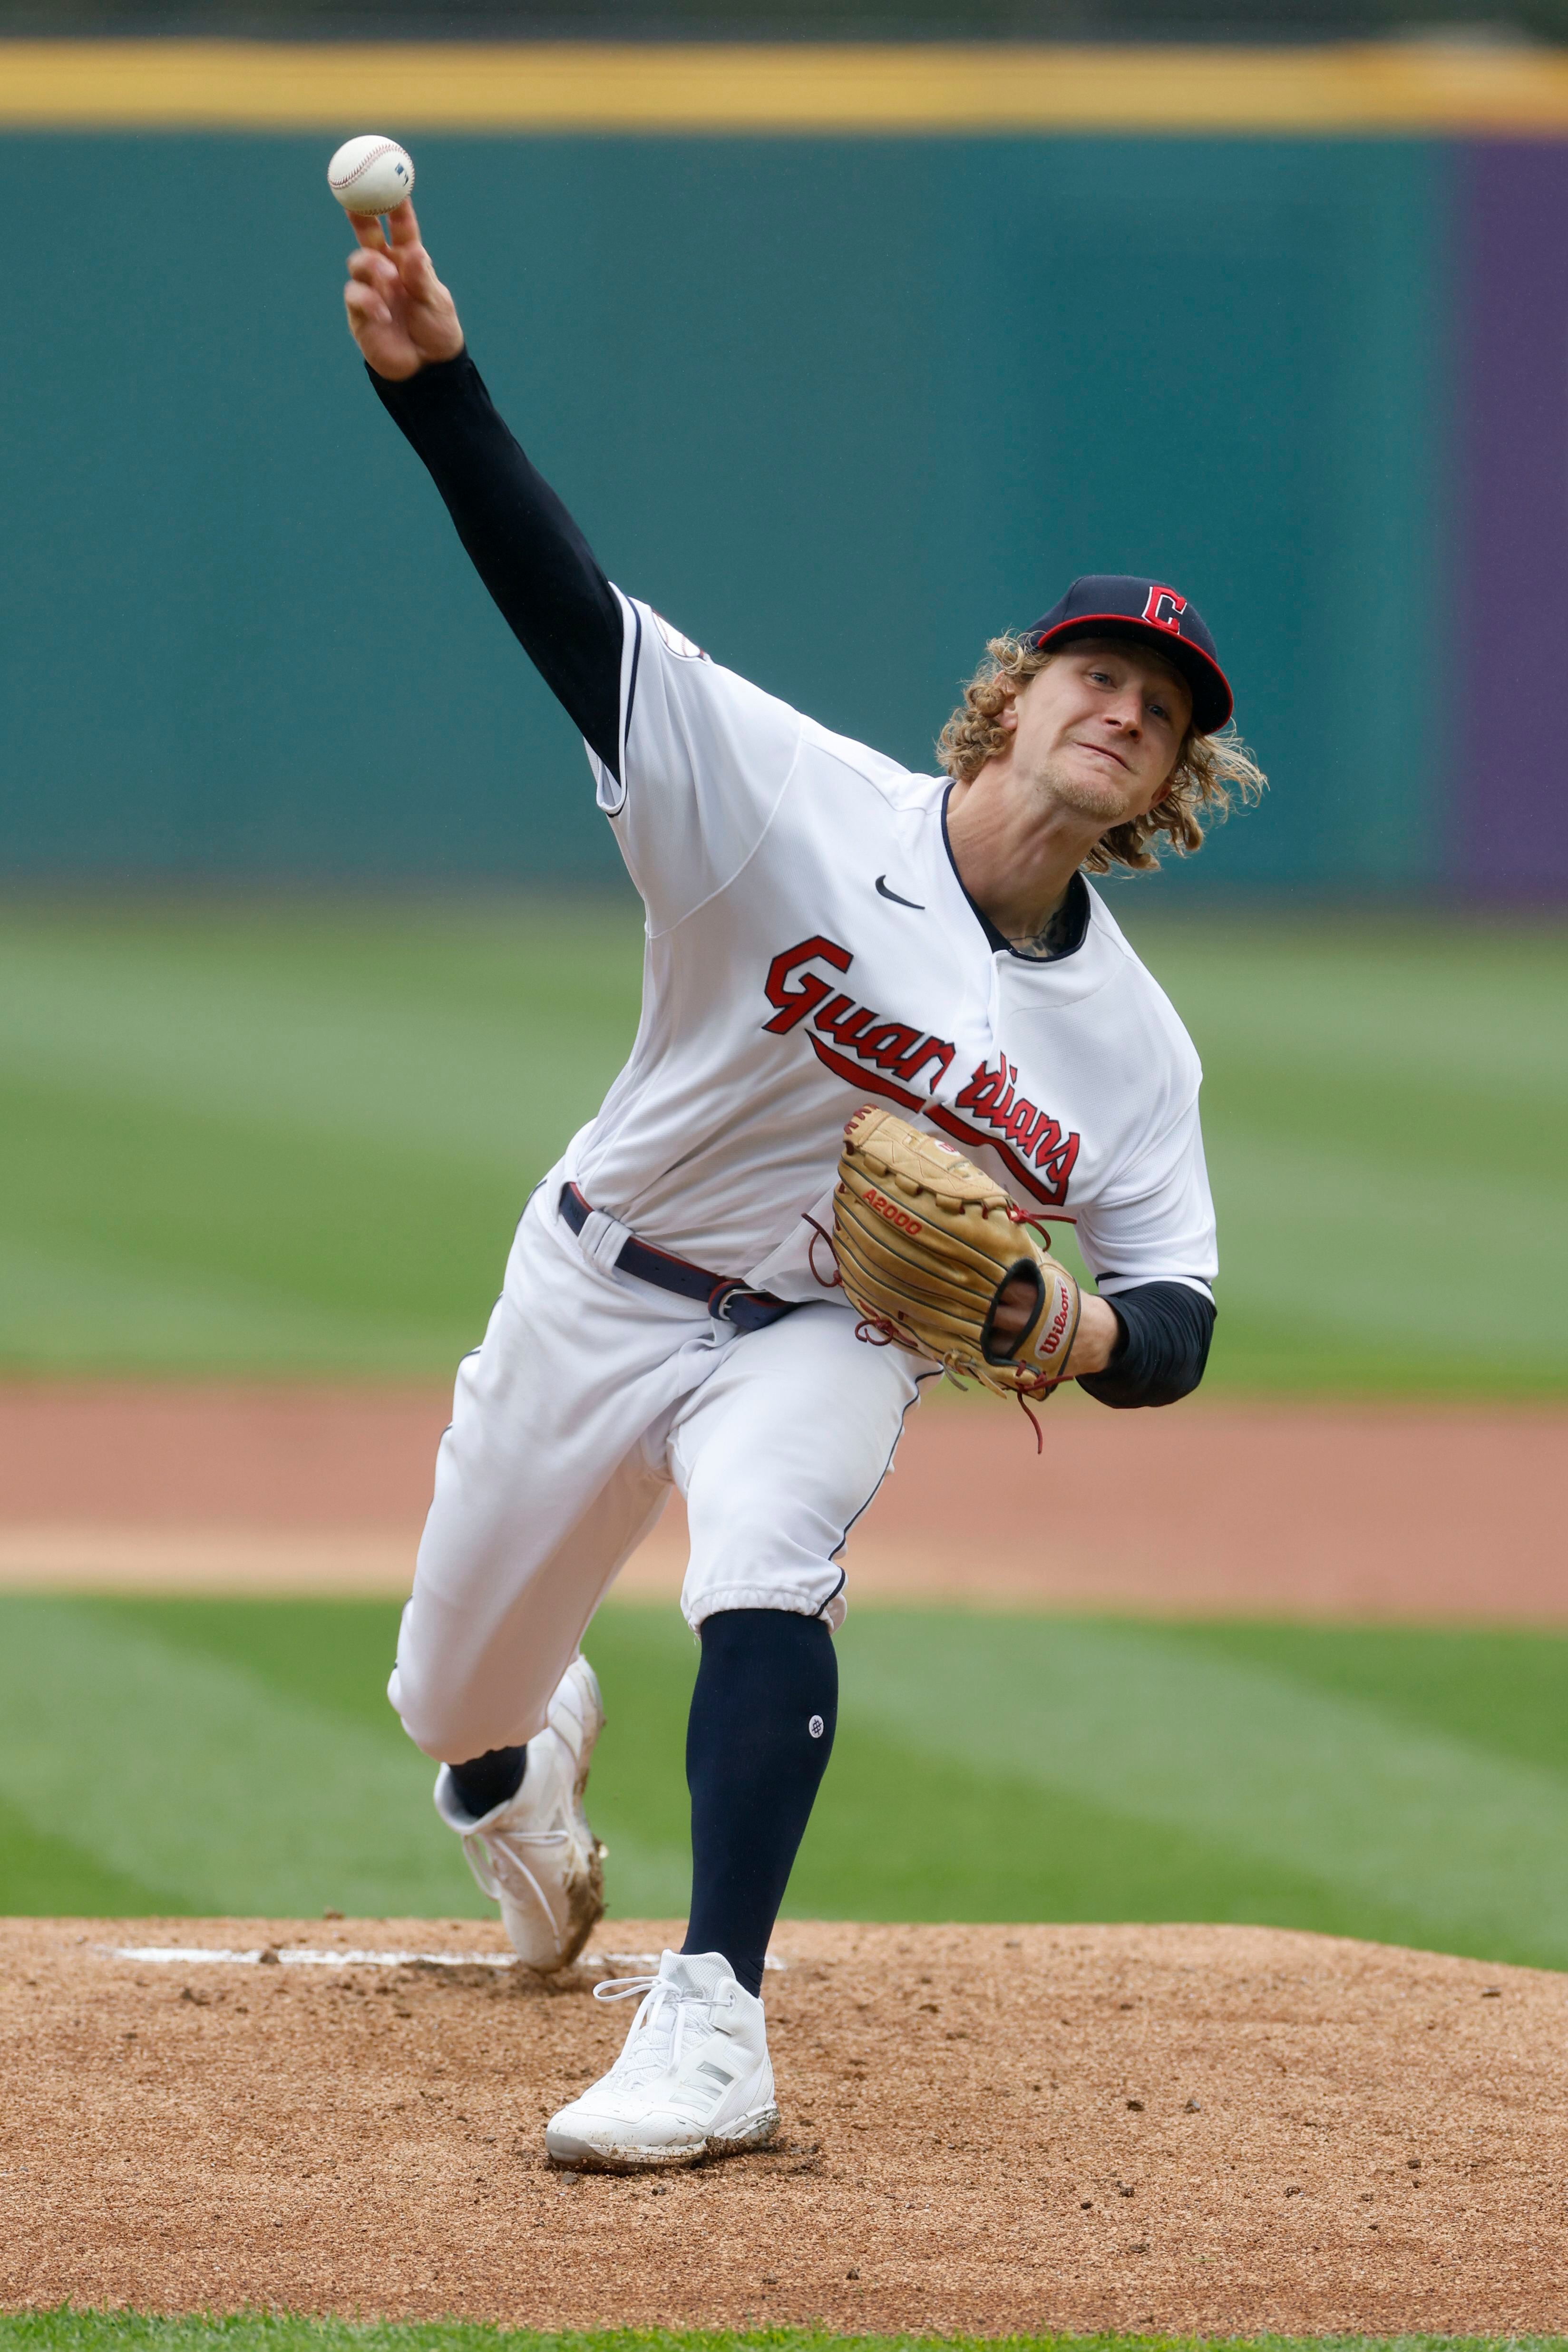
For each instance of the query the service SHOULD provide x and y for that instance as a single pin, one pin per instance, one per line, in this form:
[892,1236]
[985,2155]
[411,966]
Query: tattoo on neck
[1056,935]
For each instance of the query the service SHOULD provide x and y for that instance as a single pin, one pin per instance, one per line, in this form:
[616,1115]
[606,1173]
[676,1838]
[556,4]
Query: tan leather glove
[925,1245]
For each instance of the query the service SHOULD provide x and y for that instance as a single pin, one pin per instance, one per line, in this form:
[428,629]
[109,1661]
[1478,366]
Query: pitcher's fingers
[417,271]
[367,229]
[364,306]
[373,269]
[415,265]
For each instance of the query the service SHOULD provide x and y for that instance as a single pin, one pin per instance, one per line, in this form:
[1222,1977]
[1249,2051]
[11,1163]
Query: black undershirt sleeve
[525,547]
[1165,1334]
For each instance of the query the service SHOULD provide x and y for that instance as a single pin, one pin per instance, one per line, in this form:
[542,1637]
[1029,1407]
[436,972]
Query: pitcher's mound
[987,2129]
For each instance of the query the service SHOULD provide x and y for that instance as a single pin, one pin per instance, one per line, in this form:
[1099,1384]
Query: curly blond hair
[1210,770]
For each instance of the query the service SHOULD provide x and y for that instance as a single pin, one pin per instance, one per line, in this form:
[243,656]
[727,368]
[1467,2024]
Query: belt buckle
[725,1296]
[746,1309]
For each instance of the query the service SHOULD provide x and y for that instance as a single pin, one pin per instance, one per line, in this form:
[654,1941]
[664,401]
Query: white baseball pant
[592,1395]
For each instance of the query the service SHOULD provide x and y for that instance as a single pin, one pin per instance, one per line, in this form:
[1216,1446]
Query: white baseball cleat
[694,2078]
[534,1852]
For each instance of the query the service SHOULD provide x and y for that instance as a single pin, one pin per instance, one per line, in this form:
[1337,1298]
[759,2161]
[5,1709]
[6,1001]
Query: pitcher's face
[1101,729]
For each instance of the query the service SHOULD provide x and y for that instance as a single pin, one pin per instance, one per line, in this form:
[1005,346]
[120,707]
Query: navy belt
[727,1301]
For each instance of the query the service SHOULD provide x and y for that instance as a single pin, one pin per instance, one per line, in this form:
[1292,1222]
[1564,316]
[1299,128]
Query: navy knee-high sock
[757,1744]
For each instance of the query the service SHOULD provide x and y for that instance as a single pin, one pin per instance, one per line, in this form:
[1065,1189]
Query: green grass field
[295,1140]
[1410,1786]
[87,2331]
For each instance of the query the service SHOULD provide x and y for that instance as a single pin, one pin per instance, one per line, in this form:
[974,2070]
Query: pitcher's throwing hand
[400,314]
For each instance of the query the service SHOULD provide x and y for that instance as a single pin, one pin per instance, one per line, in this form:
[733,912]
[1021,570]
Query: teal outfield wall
[840,408]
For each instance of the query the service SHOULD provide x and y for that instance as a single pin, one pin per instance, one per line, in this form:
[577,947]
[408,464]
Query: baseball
[370,174]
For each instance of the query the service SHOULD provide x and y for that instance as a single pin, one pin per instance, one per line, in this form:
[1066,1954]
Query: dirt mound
[986,2128]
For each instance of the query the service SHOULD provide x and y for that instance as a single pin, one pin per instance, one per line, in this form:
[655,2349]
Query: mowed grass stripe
[1346,1277]
[1503,1689]
[1397,1120]
[329,1116]
[279,2331]
[1462,1846]
[280,1139]
[201,1779]
[38,1866]
[1471,1004]
[277,1226]
[83,1307]
[218,1775]
[472,1036]
[240,1755]
[1376,1091]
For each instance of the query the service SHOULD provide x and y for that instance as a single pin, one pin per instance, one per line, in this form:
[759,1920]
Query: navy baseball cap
[1114,605]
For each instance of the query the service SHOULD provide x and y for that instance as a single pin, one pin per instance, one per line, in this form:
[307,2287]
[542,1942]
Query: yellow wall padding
[737,88]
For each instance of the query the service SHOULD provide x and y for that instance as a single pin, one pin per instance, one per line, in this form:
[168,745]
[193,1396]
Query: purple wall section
[1510,520]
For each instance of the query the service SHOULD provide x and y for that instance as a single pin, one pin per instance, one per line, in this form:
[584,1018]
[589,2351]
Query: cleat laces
[489,1857]
[654,2045]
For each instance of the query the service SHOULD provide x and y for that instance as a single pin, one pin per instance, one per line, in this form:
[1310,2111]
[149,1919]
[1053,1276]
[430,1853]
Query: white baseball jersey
[811,947]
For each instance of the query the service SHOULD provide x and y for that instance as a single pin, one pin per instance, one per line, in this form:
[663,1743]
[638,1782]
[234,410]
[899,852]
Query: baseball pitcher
[832,942]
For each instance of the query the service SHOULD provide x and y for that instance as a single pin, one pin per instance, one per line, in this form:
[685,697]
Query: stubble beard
[1098,802]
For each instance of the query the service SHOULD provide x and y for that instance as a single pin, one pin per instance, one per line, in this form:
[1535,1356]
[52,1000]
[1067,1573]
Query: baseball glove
[925,1245]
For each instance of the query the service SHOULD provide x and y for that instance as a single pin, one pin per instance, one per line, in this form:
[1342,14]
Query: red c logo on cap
[1165,608]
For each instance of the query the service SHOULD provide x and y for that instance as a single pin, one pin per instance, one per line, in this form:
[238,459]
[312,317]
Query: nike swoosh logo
[883,892]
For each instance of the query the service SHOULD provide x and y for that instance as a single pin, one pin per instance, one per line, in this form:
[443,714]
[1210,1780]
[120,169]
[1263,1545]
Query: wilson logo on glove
[1048,1341]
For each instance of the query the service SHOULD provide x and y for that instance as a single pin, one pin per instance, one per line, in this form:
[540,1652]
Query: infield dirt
[1365,1511]
[987,2129]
